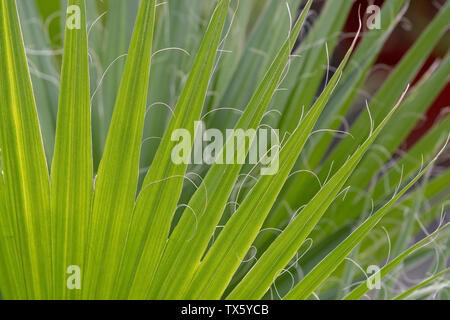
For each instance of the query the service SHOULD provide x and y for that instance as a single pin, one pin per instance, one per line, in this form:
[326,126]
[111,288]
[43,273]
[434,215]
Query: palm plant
[89,188]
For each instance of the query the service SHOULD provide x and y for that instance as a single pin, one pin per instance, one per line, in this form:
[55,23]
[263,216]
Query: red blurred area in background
[419,14]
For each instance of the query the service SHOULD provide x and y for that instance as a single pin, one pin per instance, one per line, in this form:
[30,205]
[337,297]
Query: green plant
[139,226]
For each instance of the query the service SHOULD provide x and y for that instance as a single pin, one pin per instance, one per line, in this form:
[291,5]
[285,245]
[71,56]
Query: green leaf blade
[223,258]
[359,291]
[324,268]
[164,180]
[72,173]
[185,247]
[116,181]
[23,161]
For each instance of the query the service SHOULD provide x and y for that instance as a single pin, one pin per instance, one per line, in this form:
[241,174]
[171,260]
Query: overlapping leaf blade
[359,291]
[44,76]
[27,195]
[152,217]
[283,249]
[115,185]
[324,268]
[421,285]
[193,232]
[225,255]
[71,175]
